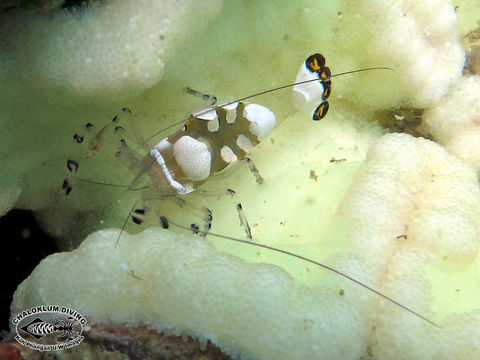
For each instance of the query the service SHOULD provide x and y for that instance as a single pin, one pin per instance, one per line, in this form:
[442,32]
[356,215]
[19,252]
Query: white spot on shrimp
[262,120]
[228,155]
[244,143]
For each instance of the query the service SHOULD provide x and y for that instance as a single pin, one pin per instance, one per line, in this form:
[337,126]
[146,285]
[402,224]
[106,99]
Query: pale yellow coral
[258,311]
[65,70]
[106,49]
[455,121]
[308,168]
[467,11]
[420,44]
[75,66]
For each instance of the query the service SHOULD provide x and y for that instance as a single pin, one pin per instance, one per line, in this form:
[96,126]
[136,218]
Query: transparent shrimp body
[209,141]
[214,138]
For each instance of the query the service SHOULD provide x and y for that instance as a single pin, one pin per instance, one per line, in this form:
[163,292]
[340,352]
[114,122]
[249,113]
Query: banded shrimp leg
[189,157]
[121,131]
[154,173]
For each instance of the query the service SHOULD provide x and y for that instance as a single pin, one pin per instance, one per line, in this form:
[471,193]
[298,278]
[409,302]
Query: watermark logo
[49,327]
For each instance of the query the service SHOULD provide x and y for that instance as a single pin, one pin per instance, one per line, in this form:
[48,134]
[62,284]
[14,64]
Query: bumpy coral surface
[61,71]
[409,222]
[455,122]
[404,221]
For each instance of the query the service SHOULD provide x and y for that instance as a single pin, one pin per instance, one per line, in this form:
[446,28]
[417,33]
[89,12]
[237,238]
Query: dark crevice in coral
[472,65]
[24,246]
[46,6]
[68,4]
[402,120]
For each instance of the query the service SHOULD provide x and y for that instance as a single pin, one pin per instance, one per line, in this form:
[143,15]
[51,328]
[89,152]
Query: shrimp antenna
[202,112]
[165,222]
[292,85]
